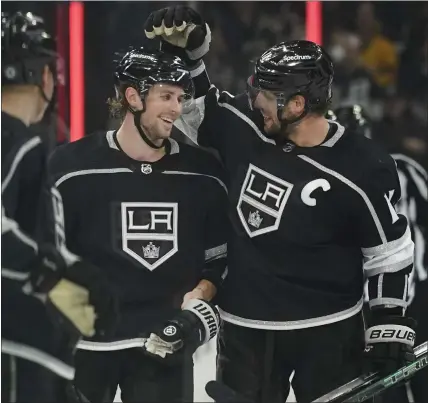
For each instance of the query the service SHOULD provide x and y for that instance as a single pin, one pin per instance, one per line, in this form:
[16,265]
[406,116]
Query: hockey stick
[358,390]
[367,386]
[223,394]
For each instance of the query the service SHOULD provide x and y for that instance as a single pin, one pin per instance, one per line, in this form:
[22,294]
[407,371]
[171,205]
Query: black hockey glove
[389,344]
[101,296]
[183,32]
[195,325]
[75,294]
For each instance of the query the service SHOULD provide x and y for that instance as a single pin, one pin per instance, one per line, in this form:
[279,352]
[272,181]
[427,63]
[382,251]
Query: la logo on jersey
[149,232]
[262,201]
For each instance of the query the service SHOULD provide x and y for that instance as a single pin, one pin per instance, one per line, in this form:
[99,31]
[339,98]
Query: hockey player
[46,303]
[414,205]
[152,213]
[312,209]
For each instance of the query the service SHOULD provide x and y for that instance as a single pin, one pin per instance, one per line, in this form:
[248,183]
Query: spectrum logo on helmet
[296,57]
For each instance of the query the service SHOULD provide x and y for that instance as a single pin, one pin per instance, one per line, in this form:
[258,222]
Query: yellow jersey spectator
[378,54]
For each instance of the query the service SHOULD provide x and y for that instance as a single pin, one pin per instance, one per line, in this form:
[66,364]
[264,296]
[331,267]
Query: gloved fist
[67,301]
[101,295]
[72,303]
[389,344]
[75,291]
[167,341]
[182,30]
[195,325]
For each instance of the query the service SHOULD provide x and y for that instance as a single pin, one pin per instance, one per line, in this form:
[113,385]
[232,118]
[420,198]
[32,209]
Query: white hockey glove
[72,301]
[182,30]
[195,325]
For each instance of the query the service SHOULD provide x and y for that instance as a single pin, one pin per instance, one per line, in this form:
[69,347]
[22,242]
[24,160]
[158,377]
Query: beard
[156,133]
[282,130]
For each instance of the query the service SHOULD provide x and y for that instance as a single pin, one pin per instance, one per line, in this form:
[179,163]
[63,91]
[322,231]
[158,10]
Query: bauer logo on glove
[398,334]
[389,344]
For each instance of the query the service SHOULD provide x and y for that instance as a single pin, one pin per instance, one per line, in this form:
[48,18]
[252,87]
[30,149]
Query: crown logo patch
[151,251]
[254,219]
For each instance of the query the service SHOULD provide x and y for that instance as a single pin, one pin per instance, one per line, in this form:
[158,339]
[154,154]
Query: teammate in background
[312,209]
[413,205]
[49,297]
[152,213]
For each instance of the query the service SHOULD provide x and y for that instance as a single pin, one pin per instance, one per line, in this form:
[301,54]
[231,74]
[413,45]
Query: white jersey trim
[11,225]
[112,345]
[14,274]
[25,148]
[110,140]
[339,133]
[39,357]
[91,172]
[196,174]
[292,325]
[247,120]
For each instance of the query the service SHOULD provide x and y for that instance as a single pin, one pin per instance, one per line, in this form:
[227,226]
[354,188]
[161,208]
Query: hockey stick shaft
[397,377]
[223,394]
[364,387]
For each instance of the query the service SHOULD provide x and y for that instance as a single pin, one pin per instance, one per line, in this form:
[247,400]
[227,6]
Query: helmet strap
[137,123]
[39,80]
[43,94]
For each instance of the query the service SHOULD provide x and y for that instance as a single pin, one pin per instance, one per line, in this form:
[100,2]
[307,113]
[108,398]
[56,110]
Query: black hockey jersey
[27,330]
[306,221]
[156,229]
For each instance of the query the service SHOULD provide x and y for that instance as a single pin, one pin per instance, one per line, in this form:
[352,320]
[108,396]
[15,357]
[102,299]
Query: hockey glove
[389,344]
[101,296]
[195,325]
[67,301]
[183,32]
[65,290]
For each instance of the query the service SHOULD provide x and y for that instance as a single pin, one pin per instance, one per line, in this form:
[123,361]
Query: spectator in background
[353,84]
[379,55]
[251,28]
[281,23]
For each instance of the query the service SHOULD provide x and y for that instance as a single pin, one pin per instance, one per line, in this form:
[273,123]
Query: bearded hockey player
[49,296]
[312,209]
[152,213]
[414,205]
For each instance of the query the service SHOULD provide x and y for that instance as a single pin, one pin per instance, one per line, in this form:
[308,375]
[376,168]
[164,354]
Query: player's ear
[133,98]
[297,104]
[48,82]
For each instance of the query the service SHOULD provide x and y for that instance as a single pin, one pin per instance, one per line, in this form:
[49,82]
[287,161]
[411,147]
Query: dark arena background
[380,52]
[391,81]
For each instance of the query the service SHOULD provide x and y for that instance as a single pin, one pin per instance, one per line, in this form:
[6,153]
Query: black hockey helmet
[353,118]
[141,69]
[26,48]
[293,68]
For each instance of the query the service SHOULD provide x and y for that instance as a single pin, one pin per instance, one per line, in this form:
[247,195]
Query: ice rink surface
[204,360]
